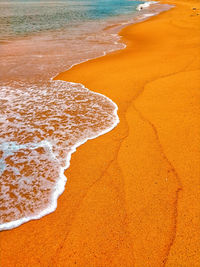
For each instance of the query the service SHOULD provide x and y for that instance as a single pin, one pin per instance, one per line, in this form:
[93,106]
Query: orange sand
[132,195]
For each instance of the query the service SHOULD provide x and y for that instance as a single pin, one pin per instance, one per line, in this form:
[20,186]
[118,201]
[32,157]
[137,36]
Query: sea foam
[146,5]
[47,124]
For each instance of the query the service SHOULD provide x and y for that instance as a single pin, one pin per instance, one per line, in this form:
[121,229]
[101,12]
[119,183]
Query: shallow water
[43,121]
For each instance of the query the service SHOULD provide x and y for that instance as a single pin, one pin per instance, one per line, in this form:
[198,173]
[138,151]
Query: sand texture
[132,195]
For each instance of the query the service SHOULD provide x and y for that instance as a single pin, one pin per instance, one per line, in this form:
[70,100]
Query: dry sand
[132,196]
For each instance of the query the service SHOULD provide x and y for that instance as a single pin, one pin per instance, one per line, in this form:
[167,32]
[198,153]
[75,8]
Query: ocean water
[42,120]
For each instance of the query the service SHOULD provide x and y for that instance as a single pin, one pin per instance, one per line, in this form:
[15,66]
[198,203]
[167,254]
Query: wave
[35,190]
[146,5]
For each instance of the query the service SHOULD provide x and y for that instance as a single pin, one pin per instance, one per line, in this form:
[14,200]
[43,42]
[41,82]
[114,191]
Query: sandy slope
[132,196]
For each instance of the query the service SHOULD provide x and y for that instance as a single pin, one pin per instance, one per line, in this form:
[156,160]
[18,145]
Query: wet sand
[132,195]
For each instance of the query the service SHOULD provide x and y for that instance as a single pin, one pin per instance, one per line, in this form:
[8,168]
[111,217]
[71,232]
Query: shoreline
[146,13]
[101,220]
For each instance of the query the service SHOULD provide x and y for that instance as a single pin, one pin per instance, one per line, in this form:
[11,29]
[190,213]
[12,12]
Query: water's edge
[60,185]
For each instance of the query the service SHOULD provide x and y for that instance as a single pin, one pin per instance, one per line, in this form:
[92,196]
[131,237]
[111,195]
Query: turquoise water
[26,17]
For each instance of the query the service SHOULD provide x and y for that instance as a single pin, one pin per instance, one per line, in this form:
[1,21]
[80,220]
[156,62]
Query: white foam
[103,114]
[146,5]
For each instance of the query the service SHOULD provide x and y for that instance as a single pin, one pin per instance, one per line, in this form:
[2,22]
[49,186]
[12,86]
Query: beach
[132,196]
